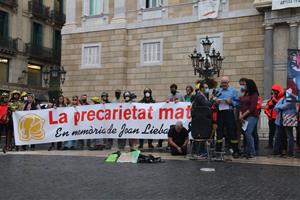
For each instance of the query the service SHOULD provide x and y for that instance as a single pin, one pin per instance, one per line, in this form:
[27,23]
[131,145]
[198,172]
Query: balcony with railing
[39,11]
[11,4]
[58,18]
[8,46]
[261,4]
[40,53]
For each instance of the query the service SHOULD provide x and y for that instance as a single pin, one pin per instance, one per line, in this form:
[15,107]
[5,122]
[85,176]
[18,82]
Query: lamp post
[208,65]
[54,72]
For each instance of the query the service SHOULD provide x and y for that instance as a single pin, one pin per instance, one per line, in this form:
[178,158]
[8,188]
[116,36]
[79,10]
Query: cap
[179,123]
[16,92]
[95,99]
[23,94]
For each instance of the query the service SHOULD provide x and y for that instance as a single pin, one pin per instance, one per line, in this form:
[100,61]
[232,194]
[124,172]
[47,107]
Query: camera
[216,93]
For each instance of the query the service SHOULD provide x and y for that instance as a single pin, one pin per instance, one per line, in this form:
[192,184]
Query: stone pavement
[85,175]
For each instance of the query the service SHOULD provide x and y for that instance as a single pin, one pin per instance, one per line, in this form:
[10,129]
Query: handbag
[290,120]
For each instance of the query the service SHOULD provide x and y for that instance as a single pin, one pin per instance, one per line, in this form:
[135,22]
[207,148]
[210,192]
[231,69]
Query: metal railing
[39,52]
[8,45]
[9,3]
[39,10]
[58,18]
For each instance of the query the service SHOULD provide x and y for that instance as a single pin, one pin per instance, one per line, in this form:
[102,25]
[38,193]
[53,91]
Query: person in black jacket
[146,99]
[31,104]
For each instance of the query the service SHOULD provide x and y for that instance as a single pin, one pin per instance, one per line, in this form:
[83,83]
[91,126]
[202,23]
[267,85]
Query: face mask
[127,98]
[206,91]
[117,95]
[147,94]
[173,92]
[83,100]
[242,88]
[25,98]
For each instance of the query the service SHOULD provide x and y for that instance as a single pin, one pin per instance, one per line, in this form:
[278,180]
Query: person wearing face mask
[189,93]
[108,143]
[226,102]
[127,99]
[24,97]
[277,93]
[83,100]
[175,96]
[118,96]
[206,90]
[146,99]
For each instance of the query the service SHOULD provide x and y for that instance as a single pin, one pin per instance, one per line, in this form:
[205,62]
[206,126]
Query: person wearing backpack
[286,119]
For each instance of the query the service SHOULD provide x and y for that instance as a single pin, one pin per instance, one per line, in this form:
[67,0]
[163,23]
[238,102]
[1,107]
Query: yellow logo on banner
[31,127]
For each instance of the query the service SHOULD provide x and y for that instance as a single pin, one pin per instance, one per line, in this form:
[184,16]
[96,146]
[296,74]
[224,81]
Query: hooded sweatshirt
[269,108]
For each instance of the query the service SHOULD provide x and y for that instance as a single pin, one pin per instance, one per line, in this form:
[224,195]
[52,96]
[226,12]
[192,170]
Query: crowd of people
[235,117]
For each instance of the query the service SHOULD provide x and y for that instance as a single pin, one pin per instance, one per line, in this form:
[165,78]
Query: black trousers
[272,129]
[226,124]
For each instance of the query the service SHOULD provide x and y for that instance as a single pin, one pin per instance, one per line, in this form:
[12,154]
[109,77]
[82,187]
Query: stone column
[268,62]
[119,12]
[293,35]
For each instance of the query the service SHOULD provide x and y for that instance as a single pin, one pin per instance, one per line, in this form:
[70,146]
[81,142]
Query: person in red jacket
[277,94]
[3,116]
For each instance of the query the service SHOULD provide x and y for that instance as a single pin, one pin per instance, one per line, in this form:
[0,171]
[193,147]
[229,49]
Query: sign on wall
[282,4]
[126,120]
[208,9]
[293,75]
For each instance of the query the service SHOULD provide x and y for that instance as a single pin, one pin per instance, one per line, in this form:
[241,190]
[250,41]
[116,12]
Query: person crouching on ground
[178,139]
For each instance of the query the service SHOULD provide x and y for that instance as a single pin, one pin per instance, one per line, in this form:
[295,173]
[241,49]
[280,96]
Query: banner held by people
[125,120]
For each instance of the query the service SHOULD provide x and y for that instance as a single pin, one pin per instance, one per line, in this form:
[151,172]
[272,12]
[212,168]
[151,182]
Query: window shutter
[86,8]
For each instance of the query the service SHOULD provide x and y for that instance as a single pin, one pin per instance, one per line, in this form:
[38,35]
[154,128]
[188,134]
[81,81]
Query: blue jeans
[283,133]
[250,148]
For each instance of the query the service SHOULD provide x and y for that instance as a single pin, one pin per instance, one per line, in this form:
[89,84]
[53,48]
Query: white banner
[281,4]
[114,120]
[208,9]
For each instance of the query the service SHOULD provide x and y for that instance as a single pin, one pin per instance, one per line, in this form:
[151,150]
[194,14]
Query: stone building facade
[135,44]
[30,40]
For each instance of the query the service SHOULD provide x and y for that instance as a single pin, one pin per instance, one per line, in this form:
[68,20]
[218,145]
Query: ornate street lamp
[54,71]
[208,65]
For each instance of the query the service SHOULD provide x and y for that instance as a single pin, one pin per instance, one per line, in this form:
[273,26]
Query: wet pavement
[89,177]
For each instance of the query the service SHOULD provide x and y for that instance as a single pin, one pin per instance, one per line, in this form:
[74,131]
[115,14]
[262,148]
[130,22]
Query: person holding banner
[127,99]
[174,96]
[60,103]
[72,144]
[118,99]
[15,104]
[108,143]
[30,105]
[147,99]
[4,116]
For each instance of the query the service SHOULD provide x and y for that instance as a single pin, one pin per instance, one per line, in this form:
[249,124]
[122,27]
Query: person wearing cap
[4,116]
[118,98]
[146,99]
[24,97]
[15,104]
[108,143]
[178,139]
[95,100]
